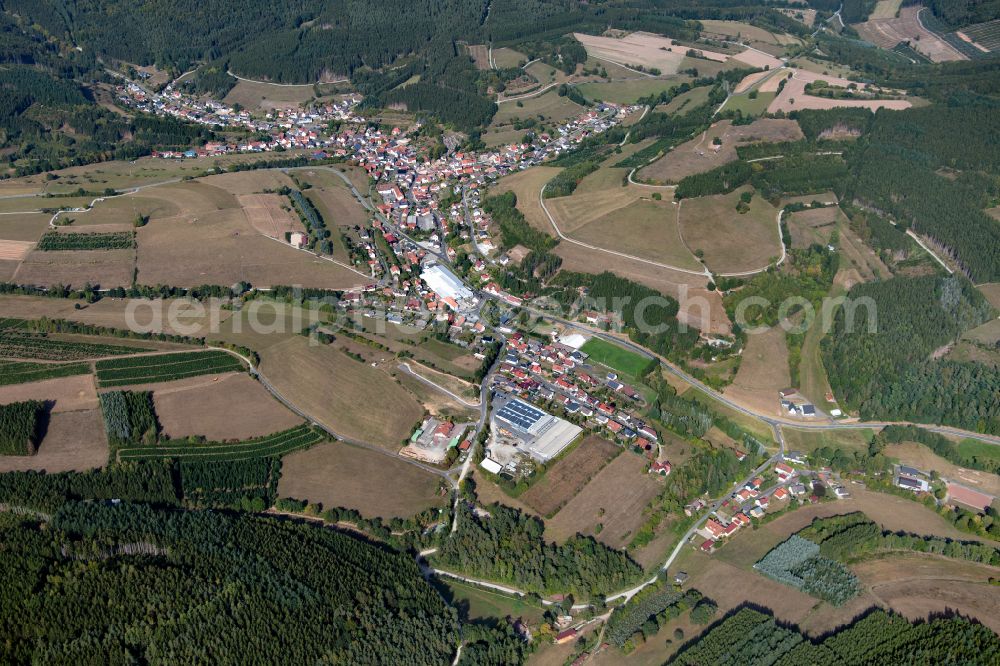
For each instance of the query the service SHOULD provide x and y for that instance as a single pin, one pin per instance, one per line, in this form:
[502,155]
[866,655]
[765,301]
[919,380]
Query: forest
[21,427]
[754,638]
[130,582]
[510,547]
[880,354]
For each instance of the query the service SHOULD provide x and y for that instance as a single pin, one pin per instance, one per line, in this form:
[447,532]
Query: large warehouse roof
[520,414]
[444,283]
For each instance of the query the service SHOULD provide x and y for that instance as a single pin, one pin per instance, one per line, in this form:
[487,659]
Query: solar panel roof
[520,414]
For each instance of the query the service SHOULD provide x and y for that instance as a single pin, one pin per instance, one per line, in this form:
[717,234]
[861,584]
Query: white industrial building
[544,435]
[445,284]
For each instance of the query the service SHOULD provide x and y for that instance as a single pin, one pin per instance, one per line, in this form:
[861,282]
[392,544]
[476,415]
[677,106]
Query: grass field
[565,479]
[164,367]
[692,99]
[474,603]
[353,399]
[261,95]
[337,474]
[274,445]
[731,242]
[505,57]
[219,408]
[750,106]
[616,357]
[629,91]
[973,448]
[610,507]
[810,440]
[526,185]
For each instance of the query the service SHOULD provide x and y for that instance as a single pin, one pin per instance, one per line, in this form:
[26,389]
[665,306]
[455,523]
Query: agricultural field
[526,185]
[887,32]
[750,106]
[974,448]
[340,475]
[22,372]
[353,399]
[67,394]
[69,240]
[760,38]
[640,49]
[475,602]
[984,36]
[273,445]
[731,242]
[25,344]
[643,228]
[249,182]
[153,368]
[547,109]
[77,268]
[617,358]
[571,473]
[692,99]
[610,507]
[763,372]
[851,440]
[700,154]
[222,407]
[74,441]
[269,214]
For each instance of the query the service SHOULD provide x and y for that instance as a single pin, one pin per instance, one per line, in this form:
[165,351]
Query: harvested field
[731,242]
[885,9]
[644,228]
[920,586]
[645,49]
[793,96]
[70,394]
[338,206]
[219,408]
[763,372]
[75,441]
[337,474]
[565,479]
[700,155]
[757,59]
[746,33]
[201,237]
[24,226]
[269,214]
[812,226]
[351,398]
[249,182]
[921,457]
[13,250]
[582,208]
[749,81]
[480,53]
[614,498]
[887,32]
[77,268]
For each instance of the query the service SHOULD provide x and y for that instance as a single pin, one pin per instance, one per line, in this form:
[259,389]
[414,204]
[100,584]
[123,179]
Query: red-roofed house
[783,471]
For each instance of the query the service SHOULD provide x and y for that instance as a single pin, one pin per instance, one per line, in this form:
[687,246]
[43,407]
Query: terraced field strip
[164,367]
[15,372]
[278,444]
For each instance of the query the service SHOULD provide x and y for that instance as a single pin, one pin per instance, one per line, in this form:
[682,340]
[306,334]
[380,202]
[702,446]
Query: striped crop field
[16,372]
[164,367]
[275,445]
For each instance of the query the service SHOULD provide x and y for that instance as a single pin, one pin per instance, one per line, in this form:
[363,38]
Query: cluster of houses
[545,372]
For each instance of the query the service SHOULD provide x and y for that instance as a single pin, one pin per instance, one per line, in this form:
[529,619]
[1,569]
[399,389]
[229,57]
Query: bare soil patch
[229,406]
[14,250]
[614,498]
[75,441]
[337,474]
[569,475]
